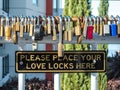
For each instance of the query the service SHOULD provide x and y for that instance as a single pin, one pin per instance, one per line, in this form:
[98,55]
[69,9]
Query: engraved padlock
[17,25]
[7,30]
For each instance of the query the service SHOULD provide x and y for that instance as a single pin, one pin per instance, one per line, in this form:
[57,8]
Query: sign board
[72,61]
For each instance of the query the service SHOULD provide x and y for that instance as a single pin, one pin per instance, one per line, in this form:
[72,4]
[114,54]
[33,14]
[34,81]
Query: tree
[103,8]
[77,8]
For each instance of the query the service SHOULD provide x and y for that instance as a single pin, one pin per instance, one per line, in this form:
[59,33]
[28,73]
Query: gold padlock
[31,27]
[69,35]
[13,24]
[31,30]
[101,27]
[98,25]
[28,25]
[49,25]
[7,33]
[118,29]
[79,39]
[2,27]
[17,25]
[65,35]
[60,49]
[15,38]
[21,30]
[95,25]
[25,25]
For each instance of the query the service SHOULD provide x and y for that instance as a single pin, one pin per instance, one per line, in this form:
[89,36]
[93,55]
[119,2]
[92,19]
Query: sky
[114,6]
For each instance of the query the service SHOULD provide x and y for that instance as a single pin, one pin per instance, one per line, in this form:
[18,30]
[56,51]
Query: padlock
[31,27]
[13,24]
[17,25]
[90,29]
[28,24]
[85,26]
[65,32]
[118,29]
[25,24]
[113,27]
[77,28]
[69,30]
[2,27]
[106,27]
[82,22]
[7,30]
[95,24]
[44,25]
[38,31]
[15,37]
[98,25]
[54,36]
[101,27]
[22,27]
[49,25]
[60,44]
[79,39]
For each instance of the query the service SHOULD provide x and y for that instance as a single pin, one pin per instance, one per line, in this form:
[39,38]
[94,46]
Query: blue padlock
[113,29]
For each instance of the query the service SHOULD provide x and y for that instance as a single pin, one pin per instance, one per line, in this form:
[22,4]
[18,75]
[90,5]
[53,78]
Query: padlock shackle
[90,20]
[98,19]
[2,19]
[101,19]
[60,32]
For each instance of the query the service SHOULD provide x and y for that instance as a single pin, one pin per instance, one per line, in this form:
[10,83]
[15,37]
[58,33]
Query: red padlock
[90,32]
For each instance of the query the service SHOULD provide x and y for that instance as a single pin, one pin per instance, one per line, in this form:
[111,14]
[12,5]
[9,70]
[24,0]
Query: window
[35,2]
[6,6]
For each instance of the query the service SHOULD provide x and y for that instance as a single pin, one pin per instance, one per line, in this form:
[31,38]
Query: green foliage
[75,81]
[102,77]
[103,8]
[77,8]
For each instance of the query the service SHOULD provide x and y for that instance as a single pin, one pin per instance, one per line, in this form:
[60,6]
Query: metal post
[94,79]
[56,81]
[21,77]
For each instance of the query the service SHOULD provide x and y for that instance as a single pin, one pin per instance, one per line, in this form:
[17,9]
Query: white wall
[41,47]
[27,8]
[10,49]
[39,9]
